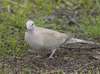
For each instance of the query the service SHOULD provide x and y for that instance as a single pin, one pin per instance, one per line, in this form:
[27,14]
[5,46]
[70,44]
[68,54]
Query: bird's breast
[34,40]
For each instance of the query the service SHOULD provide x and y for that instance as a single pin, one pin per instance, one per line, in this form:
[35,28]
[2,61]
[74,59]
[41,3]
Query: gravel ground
[69,60]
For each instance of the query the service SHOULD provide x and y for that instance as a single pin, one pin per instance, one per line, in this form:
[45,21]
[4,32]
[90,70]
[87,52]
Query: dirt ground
[73,59]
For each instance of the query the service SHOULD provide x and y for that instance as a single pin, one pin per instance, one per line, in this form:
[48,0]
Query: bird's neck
[31,30]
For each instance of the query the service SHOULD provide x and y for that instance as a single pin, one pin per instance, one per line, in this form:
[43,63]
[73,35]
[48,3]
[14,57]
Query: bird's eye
[32,25]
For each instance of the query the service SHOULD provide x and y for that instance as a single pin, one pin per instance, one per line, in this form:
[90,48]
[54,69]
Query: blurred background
[79,17]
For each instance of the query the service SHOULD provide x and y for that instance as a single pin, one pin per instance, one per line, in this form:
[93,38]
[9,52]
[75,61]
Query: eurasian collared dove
[39,38]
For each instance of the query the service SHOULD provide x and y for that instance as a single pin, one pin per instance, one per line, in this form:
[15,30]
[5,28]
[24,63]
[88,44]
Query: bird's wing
[51,37]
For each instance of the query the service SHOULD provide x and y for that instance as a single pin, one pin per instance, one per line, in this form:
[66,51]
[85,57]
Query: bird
[40,38]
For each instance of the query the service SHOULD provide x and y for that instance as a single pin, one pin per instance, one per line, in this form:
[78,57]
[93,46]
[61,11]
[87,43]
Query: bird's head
[30,25]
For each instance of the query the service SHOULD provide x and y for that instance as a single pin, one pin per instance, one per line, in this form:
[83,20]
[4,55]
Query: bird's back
[51,38]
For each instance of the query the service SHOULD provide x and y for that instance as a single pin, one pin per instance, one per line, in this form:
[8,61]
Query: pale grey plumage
[38,37]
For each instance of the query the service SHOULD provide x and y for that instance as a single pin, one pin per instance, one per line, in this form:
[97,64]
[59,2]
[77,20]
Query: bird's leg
[53,52]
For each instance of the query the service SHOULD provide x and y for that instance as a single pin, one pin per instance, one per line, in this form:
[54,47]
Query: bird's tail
[75,40]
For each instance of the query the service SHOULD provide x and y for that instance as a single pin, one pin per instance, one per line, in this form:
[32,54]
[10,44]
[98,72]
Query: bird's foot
[50,57]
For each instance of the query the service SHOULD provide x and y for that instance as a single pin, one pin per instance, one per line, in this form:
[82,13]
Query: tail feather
[75,40]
